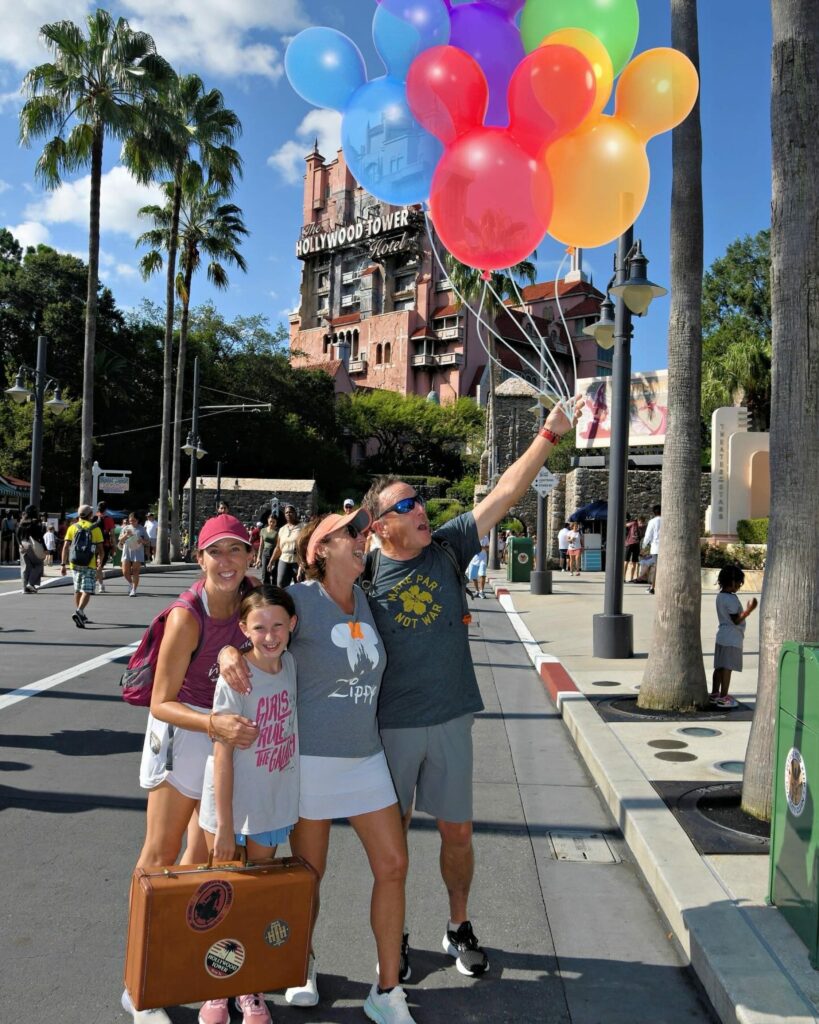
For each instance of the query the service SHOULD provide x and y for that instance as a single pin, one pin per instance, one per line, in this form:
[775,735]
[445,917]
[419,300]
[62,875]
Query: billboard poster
[648,410]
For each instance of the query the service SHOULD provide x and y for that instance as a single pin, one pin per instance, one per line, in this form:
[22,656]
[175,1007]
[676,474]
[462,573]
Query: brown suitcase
[200,932]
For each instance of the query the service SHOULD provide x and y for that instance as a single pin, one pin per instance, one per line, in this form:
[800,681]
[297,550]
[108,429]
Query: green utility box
[794,860]
[520,559]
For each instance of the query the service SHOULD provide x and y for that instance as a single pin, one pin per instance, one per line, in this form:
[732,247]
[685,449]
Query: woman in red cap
[181,729]
[343,771]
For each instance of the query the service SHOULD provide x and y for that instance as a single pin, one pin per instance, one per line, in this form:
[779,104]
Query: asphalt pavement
[572,931]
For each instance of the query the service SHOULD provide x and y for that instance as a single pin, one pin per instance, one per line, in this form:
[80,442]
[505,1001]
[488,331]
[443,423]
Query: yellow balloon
[600,176]
[656,91]
[595,53]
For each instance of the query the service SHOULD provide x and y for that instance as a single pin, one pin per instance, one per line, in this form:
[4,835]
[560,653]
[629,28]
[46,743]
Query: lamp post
[20,393]
[612,632]
[191,448]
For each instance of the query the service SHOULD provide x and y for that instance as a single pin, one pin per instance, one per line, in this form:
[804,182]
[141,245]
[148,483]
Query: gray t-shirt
[340,659]
[266,775]
[418,609]
[729,633]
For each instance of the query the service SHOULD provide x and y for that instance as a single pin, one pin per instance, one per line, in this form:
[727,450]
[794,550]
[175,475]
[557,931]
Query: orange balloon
[600,176]
[656,91]
[595,53]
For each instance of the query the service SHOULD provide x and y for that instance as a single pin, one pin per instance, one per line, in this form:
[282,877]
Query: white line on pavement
[32,689]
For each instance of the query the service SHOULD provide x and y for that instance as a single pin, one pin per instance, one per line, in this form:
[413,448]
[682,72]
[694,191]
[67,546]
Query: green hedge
[715,556]
[441,510]
[429,486]
[753,531]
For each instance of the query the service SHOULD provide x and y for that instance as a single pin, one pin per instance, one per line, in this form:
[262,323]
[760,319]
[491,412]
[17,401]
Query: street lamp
[192,449]
[612,632]
[20,393]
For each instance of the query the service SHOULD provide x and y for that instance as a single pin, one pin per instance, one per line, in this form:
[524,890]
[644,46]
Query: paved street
[570,940]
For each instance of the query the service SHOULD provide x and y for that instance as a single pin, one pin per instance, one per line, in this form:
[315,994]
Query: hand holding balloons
[491,196]
[388,152]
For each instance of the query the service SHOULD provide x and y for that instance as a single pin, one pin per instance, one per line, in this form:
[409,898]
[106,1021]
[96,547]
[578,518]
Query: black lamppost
[20,393]
[612,634]
[191,448]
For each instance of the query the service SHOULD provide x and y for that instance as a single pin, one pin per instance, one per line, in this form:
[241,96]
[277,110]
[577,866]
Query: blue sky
[238,48]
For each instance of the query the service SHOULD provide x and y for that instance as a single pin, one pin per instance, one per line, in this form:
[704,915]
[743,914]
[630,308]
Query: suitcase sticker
[209,905]
[225,958]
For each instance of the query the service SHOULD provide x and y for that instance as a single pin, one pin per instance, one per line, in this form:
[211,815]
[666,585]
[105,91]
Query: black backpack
[82,546]
[369,577]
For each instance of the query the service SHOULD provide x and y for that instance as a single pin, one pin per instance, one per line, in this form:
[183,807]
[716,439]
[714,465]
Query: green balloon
[614,22]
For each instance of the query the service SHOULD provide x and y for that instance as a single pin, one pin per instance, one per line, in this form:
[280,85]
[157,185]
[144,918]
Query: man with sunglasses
[429,693]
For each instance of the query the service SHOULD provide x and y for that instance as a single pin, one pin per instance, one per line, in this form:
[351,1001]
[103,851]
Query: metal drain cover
[591,847]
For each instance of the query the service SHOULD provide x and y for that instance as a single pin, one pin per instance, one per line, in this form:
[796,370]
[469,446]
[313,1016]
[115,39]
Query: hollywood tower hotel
[377,310]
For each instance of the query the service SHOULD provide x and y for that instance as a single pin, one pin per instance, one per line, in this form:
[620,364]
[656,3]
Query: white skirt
[179,759]
[342,787]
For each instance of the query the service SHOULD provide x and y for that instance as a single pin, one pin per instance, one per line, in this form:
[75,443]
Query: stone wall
[249,506]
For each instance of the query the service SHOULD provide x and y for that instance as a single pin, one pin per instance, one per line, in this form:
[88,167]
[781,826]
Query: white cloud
[20,39]
[10,99]
[325,125]
[120,201]
[4,186]
[30,232]
[215,36]
[125,270]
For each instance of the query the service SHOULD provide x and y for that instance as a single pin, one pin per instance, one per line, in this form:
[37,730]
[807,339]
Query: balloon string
[565,326]
[543,350]
[543,382]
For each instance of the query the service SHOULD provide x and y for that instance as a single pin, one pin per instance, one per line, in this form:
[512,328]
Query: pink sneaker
[214,1011]
[254,1009]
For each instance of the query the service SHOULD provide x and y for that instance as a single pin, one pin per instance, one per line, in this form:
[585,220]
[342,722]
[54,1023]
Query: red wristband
[550,435]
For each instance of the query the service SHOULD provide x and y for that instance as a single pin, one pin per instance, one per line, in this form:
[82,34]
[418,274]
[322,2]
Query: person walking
[651,540]
[430,692]
[81,549]
[8,533]
[151,528]
[50,544]
[575,550]
[106,524]
[633,536]
[730,634]
[268,537]
[476,570]
[563,546]
[30,543]
[135,544]
[285,552]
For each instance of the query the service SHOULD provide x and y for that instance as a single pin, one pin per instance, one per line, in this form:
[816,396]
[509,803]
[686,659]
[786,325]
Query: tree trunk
[87,426]
[163,533]
[176,454]
[790,593]
[674,677]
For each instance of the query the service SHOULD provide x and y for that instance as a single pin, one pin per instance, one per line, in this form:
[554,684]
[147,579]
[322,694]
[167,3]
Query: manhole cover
[590,847]
[604,682]
[732,767]
[667,744]
[699,730]
[675,755]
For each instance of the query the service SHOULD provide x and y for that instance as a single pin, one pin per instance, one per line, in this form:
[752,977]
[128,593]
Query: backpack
[137,680]
[82,546]
[370,574]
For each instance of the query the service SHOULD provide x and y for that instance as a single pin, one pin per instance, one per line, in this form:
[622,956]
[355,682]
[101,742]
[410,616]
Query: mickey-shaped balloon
[601,171]
[614,22]
[388,152]
[491,197]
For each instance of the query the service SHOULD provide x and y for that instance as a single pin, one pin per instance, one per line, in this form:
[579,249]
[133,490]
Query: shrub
[441,510]
[463,491]
[753,531]
[428,486]
[715,556]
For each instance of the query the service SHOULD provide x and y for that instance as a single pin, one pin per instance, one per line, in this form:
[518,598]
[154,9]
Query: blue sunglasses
[403,506]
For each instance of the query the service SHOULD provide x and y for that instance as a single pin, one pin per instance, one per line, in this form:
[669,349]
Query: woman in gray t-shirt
[343,771]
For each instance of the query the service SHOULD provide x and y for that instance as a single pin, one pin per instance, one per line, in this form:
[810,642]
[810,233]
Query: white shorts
[342,787]
[179,759]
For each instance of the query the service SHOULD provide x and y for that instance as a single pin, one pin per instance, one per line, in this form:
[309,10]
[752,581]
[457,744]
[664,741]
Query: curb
[50,582]
[744,978]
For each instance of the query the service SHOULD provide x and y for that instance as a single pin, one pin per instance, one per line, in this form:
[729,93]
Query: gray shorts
[728,657]
[433,763]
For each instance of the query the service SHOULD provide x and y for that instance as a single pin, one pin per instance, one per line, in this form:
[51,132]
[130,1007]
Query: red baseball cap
[360,519]
[222,527]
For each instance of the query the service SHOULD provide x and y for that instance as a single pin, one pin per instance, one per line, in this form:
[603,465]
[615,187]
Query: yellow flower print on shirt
[415,600]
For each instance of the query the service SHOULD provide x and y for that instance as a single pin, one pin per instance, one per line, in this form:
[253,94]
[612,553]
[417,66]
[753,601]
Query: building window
[388,353]
[379,354]
[395,164]
[354,353]
[404,283]
[402,304]
[325,348]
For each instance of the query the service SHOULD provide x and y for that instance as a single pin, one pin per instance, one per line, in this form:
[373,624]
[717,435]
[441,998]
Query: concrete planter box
[753,581]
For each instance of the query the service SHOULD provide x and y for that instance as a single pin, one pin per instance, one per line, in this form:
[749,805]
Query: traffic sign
[544,482]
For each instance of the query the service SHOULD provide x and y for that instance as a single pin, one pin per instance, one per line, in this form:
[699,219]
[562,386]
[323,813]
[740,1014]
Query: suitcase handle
[230,865]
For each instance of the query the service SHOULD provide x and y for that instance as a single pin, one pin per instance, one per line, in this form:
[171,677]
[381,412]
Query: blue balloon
[389,153]
[404,28]
[324,67]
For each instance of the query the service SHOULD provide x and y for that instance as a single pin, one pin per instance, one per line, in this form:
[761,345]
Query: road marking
[32,689]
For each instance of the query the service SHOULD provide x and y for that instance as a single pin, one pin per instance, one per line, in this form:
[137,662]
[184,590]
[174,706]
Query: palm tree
[674,677]
[186,132]
[790,592]
[209,227]
[96,84]
[740,374]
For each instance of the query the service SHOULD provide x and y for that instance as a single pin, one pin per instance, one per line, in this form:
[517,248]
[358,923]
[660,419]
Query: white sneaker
[144,1016]
[132,592]
[388,1007]
[306,994]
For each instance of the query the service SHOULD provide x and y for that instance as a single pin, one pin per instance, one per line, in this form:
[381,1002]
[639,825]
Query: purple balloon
[486,30]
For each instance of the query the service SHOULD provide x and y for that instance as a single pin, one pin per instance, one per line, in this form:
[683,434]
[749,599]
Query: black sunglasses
[404,506]
[352,531]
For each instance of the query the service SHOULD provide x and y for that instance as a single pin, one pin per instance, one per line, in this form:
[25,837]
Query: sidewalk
[753,967]
[52,576]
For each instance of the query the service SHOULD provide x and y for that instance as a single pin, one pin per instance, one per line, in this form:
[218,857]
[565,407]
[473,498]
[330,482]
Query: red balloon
[491,195]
